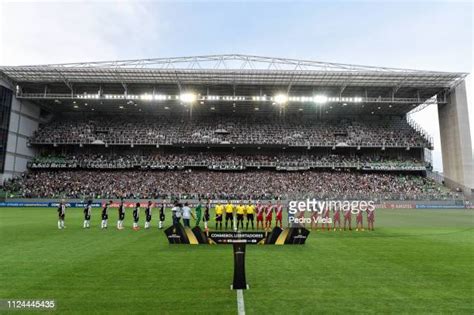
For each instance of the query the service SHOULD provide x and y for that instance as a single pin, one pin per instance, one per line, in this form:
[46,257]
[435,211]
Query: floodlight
[320,99]
[281,99]
[146,97]
[188,97]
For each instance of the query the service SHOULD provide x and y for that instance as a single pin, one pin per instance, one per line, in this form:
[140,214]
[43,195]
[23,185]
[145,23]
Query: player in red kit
[337,219]
[260,209]
[279,214]
[359,222]
[301,217]
[327,218]
[370,219]
[268,215]
[315,217]
[347,219]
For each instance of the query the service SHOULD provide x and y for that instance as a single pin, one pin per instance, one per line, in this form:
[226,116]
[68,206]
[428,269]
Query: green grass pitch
[416,261]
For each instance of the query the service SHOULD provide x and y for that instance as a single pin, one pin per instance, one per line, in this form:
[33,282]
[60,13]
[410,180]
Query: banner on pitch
[178,234]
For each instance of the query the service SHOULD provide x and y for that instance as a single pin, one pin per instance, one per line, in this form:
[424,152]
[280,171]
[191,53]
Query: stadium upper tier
[221,185]
[258,130]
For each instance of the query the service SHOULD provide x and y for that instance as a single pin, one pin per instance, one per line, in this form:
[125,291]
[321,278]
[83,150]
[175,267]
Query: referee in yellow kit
[219,211]
[229,214]
[240,215]
[249,211]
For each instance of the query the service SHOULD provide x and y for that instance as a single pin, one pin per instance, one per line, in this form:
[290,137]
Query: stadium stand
[144,157]
[236,125]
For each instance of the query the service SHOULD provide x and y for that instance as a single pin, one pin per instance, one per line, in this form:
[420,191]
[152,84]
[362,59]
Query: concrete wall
[24,120]
[456,145]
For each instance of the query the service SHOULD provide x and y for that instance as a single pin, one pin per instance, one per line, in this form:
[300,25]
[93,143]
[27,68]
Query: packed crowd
[221,185]
[257,130]
[162,160]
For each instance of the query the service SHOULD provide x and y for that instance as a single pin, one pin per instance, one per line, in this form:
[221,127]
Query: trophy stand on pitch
[239,282]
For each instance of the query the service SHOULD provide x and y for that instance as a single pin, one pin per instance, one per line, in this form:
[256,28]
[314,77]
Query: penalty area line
[240,302]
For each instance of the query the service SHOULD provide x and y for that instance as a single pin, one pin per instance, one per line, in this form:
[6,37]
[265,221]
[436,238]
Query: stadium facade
[233,85]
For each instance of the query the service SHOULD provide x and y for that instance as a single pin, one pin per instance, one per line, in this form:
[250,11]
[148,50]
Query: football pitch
[416,261]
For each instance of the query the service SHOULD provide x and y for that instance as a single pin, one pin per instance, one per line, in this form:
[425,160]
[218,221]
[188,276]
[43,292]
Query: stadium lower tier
[221,185]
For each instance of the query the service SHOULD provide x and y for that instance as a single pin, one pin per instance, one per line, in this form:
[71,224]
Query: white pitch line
[240,302]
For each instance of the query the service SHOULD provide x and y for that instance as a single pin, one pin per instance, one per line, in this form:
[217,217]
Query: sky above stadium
[426,35]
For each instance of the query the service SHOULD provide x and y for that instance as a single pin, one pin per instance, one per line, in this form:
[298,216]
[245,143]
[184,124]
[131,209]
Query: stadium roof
[233,74]
[231,69]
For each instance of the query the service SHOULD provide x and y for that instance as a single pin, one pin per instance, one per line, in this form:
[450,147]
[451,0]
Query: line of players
[121,215]
[262,212]
[105,215]
[318,217]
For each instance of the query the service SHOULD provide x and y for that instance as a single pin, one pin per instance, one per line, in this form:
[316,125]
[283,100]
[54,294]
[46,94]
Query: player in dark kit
[105,215]
[136,216]
[206,216]
[61,215]
[148,215]
[162,215]
[87,215]
[121,215]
